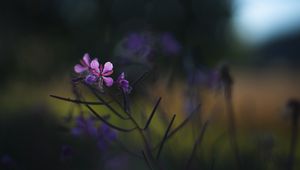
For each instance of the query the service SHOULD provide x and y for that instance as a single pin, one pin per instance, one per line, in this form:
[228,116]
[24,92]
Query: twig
[228,83]
[152,113]
[165,137]
[197,142]
[105,103]
[139,79]
[146,160]
[180,126]
[107,123]
[75,101]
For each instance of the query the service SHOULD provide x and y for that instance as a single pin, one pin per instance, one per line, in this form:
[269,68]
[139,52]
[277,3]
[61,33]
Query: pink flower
[106,71]
[86,64]
[95,71]
[103,72]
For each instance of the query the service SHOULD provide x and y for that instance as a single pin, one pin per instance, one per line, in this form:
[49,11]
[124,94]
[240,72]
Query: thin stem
[228,83]
[180,126]
[152,114]
[196,144]
[294,106]
[139,79]
[75,100]
[184,122]
[107,123]
[165,137]
[146,143]
[127,150]
[105,103]
[146,160]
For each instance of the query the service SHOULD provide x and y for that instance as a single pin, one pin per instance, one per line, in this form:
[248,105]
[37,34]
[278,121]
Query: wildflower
[91,78]
[94,71]
[7,161]
[169,44]
[138,47]
[66,152]
[85,64]
[106,71]
[98,71]
[105,136]
[84,126]
[123,84]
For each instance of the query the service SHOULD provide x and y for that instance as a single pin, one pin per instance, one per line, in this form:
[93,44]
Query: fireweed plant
[98,78]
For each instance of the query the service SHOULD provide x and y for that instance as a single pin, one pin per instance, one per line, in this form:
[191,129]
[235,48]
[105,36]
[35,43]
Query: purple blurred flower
[118,162]
[136,46]
[105,136]
[209,79]
[135,41]
[169,44]
[123,83]
[7,161]
[66,152]
[84,126]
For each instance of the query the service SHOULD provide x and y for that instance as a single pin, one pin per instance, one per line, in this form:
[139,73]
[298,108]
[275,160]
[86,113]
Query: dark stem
[227,84]
[107,123]
[180,126]
[127,150]
[165,137]
[152,113]
[293,144]
[147,146]
[294,106]
[105,103]
[196,144]
[75,100]
[146,160]
[139,79]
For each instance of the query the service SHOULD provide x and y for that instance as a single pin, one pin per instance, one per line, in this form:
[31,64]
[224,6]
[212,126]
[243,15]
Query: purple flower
[91,79]
[100,72]
[85,64]
[123,83]
[169,44]
[105,136]
[7,161]
[137,47]
[106,71]
[66,152]
[135,41]
[105,131]
[94,71]
[84,126]
[121,161]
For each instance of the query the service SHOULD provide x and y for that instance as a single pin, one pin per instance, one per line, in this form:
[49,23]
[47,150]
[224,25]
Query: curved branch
[75,101]
[107,123]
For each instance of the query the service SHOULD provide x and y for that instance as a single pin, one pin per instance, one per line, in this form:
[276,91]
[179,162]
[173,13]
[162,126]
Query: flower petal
[94,64]
[108,68]
[90,79]
[86,59]
[121,76]
[79,68]
[108,81]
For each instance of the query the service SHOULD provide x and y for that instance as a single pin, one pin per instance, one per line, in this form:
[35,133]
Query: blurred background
[181,43]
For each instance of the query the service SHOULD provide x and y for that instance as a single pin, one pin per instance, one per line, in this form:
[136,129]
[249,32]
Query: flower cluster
[96,73]
[87,126]
[141,47]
